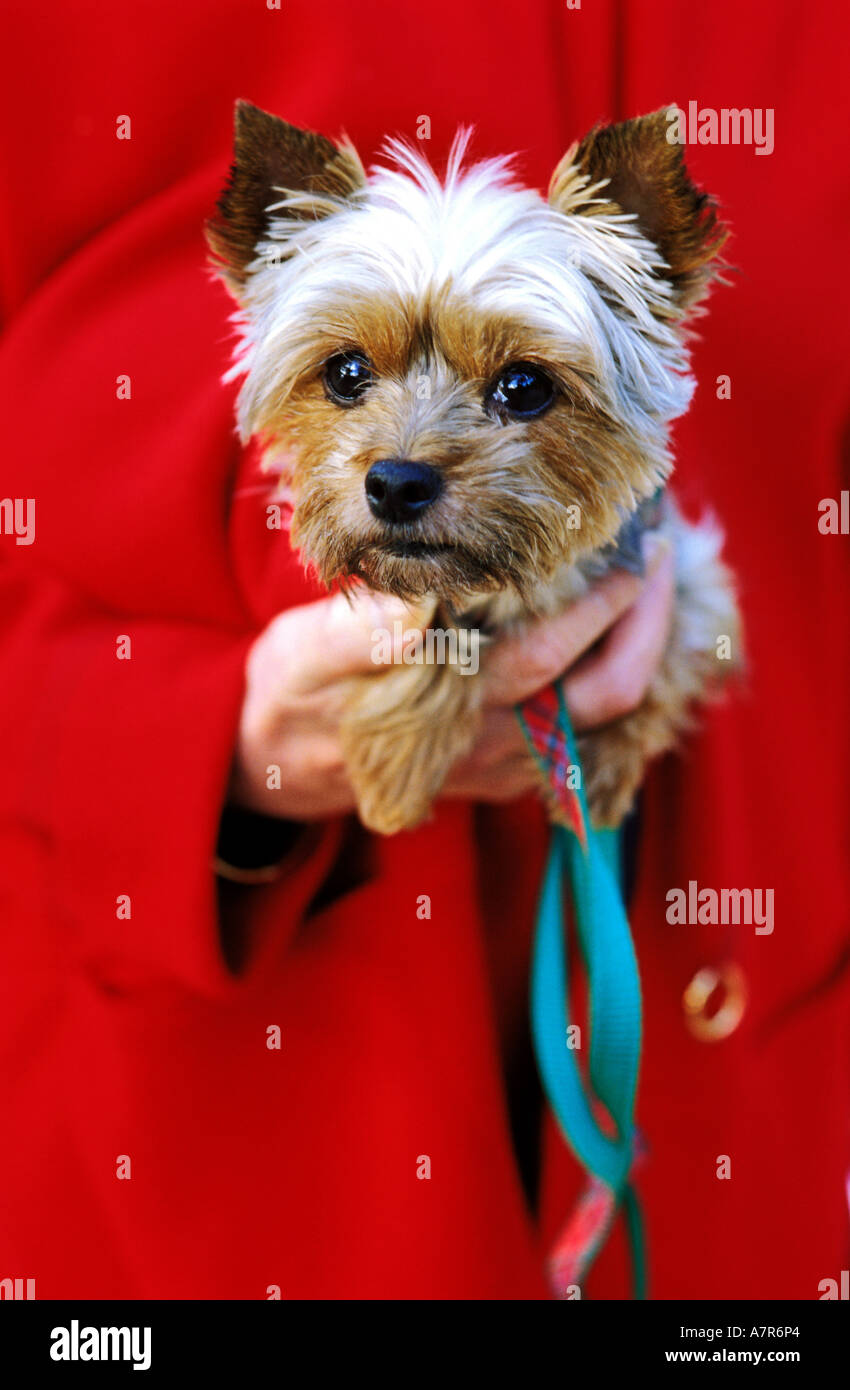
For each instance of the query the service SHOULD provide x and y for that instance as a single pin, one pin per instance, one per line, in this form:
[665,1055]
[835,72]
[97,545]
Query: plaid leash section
[581,1238]
[584,1233]
[550,743]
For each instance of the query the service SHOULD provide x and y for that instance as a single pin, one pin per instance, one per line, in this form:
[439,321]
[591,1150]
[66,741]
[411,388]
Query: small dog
[467,391]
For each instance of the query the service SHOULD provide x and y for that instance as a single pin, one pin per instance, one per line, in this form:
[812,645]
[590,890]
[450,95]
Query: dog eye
[522,390]
[347,376]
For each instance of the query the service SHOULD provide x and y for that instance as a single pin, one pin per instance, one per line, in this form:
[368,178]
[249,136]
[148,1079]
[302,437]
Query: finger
[504,781]
[518,666]
[613,681]
[500,737]
[345,636]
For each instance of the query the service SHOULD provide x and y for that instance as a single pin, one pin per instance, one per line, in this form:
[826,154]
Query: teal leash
[588,862]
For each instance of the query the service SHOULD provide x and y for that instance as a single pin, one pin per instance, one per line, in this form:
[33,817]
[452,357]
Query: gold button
[714,1001]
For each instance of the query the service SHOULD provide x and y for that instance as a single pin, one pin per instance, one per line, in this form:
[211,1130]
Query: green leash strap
[614,1001]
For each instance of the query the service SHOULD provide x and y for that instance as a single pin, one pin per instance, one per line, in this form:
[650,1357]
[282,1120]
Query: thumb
[348,635]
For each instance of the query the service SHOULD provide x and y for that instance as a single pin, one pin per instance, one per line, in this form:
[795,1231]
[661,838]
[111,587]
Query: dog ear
[634,167]
[270,159]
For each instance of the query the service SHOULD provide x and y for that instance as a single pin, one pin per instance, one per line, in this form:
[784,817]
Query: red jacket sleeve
[121,739]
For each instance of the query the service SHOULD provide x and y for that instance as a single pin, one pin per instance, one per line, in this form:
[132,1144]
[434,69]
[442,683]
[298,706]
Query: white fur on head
[592,281]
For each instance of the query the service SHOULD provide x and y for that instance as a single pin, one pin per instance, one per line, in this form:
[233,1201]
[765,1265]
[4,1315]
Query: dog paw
[613,765]
[401,737]
[385,813]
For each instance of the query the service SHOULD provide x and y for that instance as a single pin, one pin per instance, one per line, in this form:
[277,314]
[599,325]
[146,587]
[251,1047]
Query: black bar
[239,1339]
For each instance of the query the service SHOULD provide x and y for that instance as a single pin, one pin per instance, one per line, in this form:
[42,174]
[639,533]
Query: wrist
[252,846]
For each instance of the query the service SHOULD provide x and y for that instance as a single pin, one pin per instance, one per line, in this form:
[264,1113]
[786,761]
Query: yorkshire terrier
[466,390]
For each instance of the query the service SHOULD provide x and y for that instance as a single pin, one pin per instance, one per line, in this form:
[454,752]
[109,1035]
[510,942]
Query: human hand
[609,642]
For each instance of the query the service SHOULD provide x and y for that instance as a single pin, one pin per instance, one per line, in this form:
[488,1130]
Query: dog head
[463,384]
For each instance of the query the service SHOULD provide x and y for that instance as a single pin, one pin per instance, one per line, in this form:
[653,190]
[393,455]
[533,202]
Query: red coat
[297,1167]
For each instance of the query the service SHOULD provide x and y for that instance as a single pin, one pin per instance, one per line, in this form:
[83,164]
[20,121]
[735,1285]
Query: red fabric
[298,1167]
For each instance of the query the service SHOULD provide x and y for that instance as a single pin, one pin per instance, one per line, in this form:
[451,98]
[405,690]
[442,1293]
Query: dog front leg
[401,733]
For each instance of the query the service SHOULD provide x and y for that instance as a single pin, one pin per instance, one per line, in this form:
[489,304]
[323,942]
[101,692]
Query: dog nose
[399,490]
